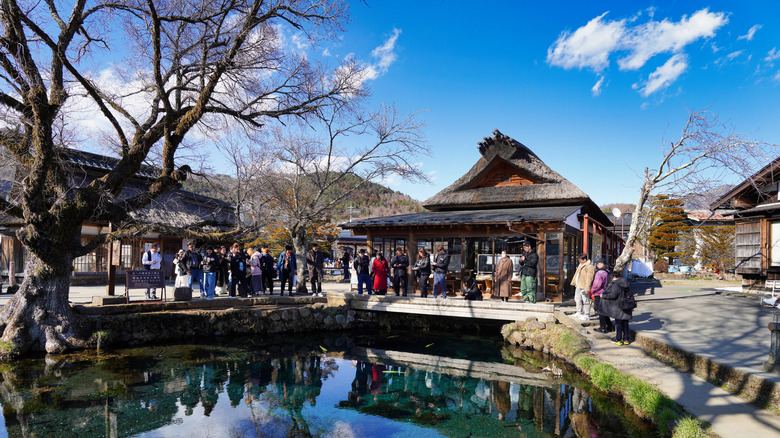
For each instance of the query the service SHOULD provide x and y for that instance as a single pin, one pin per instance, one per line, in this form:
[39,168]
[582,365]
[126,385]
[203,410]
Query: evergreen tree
[669,222]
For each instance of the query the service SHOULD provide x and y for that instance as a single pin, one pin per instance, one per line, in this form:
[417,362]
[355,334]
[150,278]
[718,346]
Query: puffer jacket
[609,299]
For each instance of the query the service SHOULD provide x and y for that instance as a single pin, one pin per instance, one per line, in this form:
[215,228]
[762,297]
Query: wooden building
[756,209]
[177,208]
[507,197]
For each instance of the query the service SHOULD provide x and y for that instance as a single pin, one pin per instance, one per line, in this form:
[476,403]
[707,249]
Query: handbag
[626,302]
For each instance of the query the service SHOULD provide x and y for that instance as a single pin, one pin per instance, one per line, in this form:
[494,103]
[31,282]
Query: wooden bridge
[452,307]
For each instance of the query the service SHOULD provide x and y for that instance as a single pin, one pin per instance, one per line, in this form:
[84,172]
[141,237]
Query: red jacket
[381,272]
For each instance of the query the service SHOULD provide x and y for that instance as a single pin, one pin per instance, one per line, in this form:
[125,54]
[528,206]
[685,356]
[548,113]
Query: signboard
[116,252]
[152,278]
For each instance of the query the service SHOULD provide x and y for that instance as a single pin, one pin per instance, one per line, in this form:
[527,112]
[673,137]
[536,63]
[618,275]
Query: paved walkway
[700,318]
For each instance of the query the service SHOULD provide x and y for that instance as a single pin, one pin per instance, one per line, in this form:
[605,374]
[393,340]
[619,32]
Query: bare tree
[321,168]
[191,64]
[707,153]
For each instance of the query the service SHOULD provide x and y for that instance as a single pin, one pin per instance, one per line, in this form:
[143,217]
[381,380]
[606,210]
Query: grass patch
[689,427]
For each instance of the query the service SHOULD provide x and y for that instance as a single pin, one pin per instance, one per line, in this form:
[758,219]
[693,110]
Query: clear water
[387,385]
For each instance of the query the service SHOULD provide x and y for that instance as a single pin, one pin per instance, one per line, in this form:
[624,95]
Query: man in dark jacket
[528,262]
[399,263]
[361,265]
[440,266]
[267,270]
[192,261]
[345,259]
[287,266]
[315,261]
[238,267]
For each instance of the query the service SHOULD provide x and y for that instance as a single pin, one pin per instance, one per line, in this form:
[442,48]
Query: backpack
[626,302]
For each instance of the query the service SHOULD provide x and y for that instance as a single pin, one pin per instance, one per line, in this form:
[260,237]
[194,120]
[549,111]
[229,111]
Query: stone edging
[756,389]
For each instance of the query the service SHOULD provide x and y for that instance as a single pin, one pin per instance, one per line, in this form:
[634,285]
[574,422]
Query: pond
[399,384]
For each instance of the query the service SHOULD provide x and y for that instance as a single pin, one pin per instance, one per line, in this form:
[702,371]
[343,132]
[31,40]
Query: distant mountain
[371,200]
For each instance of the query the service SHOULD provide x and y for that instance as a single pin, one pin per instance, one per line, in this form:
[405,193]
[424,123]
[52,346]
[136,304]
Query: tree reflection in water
[267,390]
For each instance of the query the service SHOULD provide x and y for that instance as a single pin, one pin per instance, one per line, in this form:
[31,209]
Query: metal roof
[463,217]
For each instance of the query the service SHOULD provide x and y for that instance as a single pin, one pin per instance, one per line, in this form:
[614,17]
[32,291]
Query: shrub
[661,266]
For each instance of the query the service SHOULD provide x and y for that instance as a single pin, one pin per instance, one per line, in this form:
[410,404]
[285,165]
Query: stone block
[109,299]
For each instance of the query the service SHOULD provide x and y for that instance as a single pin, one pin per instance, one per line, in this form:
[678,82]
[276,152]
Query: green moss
[7,348]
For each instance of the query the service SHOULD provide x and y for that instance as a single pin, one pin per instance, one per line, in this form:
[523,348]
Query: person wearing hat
[399,263]
[361,265]
[528,262]
[582,282]
[600,280]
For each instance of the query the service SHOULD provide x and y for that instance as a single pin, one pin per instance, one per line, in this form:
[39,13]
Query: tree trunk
[300,243]
[633,231]
[39,317]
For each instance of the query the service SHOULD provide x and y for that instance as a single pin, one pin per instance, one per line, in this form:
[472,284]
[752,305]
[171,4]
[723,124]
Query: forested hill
[375,200]
[371,200]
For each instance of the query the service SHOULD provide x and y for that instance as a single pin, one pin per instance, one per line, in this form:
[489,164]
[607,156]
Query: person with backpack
[238,269]
[618,302]
[256,279]
[192,259]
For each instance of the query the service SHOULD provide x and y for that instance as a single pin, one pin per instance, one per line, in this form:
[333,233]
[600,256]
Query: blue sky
[593,88]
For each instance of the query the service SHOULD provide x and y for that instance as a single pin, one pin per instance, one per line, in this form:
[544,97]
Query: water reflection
[326,387]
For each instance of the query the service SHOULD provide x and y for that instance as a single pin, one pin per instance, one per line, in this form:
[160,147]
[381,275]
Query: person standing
[528,262]
[502,278]
[362,266]
[399,263]
[267,269]
[600,280]
[315,262]
[152,260]
[582,282]
[287,266]
[237,263]
[210,265]
[192,261]
[422,270]
[345,259]
[223,271]
[440,266]
[616,289]
[257,273]
[381,273]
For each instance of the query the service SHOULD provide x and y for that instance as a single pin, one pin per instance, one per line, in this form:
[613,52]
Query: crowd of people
[240,273]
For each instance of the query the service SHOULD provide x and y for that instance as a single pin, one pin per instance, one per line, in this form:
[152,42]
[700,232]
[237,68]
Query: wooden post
[585,232]
[411,251]
[111,274]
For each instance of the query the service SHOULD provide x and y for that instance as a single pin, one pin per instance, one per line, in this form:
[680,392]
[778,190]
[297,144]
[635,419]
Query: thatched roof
[507,175]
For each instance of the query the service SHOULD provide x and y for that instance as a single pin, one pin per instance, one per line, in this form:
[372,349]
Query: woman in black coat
[616,289]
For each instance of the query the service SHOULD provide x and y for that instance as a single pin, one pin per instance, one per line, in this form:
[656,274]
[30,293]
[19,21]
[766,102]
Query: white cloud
[655,37]
[665,75]
[733,55]
[772,55]
[777,77]
[385,54]
[596,90]
[326,52]
[752,31]
[591,45]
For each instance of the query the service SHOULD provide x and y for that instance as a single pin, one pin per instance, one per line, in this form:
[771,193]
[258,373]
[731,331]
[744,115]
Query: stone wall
[152,327]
